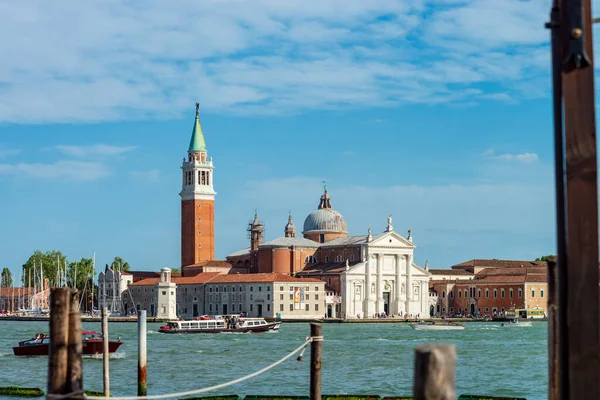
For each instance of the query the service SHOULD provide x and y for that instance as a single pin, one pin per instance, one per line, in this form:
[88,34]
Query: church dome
[325,219]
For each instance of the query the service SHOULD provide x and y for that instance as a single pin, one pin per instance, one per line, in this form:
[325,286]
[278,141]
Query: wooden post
[552,331]
[316,354]
[105,353]
[434,372]
[75,369]
[59,337]
[579,293]
[142,389]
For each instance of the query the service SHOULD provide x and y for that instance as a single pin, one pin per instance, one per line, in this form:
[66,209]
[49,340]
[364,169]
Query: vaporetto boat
[213,325]
[437,326]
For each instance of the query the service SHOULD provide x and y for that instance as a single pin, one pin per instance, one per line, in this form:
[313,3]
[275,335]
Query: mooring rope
[77,395]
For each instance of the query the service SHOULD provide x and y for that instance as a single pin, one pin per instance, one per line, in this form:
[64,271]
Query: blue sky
[436,112]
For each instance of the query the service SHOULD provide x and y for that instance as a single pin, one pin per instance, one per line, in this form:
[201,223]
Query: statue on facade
[389,224]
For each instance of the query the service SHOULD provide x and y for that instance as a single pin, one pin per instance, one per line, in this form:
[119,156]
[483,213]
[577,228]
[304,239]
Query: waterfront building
[370,274]
[166,307]
[209,293]
[496,287]
[112,283]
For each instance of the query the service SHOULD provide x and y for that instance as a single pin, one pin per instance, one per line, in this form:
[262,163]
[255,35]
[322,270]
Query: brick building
[489,287]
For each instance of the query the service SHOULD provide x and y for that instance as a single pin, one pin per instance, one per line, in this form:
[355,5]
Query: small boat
[516,324]
[39,345]
[437,326]
[213,325]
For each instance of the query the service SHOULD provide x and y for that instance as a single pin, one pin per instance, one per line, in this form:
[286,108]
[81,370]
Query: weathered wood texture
[316,356]
[553,367]
[582,302]
[59,337]
[142,388]
[75,367]
[105,353]
[434,372]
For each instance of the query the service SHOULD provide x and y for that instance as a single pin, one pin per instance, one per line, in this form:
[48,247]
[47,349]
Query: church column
[398,285]
[379,294]
[367,295]
[409,296]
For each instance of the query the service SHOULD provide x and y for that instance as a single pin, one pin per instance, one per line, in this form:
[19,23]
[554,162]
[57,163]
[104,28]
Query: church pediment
[391,239]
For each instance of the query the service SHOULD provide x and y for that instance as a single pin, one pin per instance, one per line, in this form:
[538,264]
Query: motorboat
[221,325]
[437,326]
[515,323]
[39,345]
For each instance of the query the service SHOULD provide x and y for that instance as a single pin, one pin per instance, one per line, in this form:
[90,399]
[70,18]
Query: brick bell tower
[197,201]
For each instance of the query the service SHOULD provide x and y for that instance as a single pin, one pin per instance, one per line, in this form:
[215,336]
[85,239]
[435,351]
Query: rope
[191,392]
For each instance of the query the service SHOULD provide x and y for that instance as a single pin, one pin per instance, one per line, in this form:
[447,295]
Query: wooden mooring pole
[552,331]
[142,389]
[105,353]
[75,368]
[434,372]
[577,210]
[316,355]
[59,337]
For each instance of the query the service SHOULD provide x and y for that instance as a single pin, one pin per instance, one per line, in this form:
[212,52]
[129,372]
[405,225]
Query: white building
[268,295]
[112,285]
[166,304]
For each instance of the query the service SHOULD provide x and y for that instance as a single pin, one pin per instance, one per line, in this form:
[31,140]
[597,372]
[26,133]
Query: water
[357,359]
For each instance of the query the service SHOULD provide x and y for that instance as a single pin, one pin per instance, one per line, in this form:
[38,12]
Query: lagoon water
[357,359]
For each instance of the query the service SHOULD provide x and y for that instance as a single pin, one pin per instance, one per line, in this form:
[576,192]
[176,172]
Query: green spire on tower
[197,143]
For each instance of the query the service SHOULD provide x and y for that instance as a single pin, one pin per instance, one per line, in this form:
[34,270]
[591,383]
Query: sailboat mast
[93,275]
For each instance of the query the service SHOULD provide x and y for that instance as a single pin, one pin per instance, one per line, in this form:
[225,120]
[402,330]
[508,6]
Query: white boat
[516,324]
[220,325]
[437,326]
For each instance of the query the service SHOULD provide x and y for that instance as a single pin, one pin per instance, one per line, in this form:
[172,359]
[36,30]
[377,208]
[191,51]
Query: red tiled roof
[512,271]
[500,263]
[270,277]
[17,291]
[188,280]
[450,272]
[502,279]
[210,263]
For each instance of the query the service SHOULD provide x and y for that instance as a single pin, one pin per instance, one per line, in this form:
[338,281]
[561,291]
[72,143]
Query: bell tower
[197,201]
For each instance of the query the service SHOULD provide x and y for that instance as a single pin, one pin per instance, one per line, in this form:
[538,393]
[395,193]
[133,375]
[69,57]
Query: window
[339,258]
[451,294]
[316,297]
[443,294]
[250,307]
[541,292]
[487,293]
[520,293]
[316,288]
[251,297]
[465,293]
[260,288]
[479,293]
[210,307]
[459,294]
[487,309]
[291,296]
[268,307]
[510,293]
[307,296]
[502,309]
[281,296]
[351,257]
[532,292]
[210,297]
[185,290]
[451,309]
[233,307]
[268,297]
[316,307]
[233,289]
[291,307]
[502,293]
[495,293]
[326,258]
[240,288]
[443,309]
[164,292]
[251,288]
[307,309]
[310,260]
[210,289]
[281,307]
[281,288]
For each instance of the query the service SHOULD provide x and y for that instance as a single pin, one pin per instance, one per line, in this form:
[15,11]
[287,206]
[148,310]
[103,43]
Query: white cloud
[131,62]
[93,150]
[61,170]
[7,152]
[526,158]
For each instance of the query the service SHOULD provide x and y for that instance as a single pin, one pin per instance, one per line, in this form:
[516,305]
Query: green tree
[48,261]
[175,269]
[6,278]
[120,264]
[544,258]
[81,275]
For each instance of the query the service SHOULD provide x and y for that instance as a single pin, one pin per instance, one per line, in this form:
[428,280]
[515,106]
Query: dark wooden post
[142,389]
[316,354]
[105,353]
[434,372]
[75,369]
[552,331]
[578,278]
[59,336]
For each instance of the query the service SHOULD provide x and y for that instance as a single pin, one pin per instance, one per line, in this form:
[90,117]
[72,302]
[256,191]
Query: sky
[435,112]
